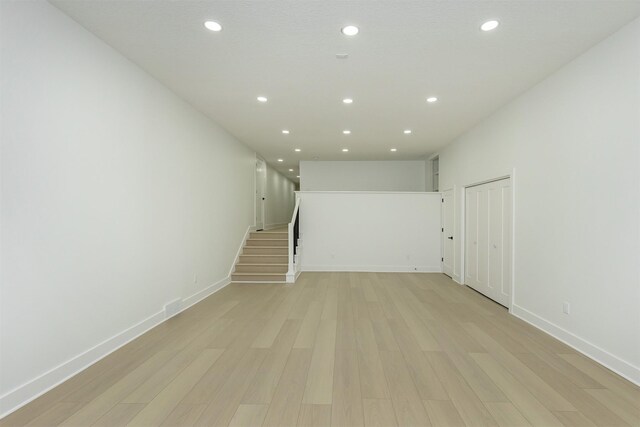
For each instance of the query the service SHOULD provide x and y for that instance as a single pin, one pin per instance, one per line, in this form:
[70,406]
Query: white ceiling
[406,51]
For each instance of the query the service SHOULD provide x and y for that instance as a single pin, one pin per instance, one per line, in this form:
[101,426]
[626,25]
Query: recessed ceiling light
[345,150]
[347,101]
[297,150]
[281,160]
[393,150]
[297,176]
[213,26]
[432,99]
[290,170]
[489,25]
[346,132]
[262,98]
[285,131]
[350,30]
[407,131]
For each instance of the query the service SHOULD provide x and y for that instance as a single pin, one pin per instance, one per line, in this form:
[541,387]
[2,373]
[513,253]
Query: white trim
[200,295]
[601,356]
[374,268]
[36,387]
[20,396]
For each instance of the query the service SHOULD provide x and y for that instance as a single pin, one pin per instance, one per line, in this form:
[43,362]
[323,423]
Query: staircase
[264,258]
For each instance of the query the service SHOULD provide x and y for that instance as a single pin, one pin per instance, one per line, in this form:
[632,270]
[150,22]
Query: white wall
[280,195]
[362,176]
[352,231]
[115,193]
[574,142]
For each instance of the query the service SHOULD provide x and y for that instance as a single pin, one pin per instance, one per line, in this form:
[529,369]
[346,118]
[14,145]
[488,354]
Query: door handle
[450,237]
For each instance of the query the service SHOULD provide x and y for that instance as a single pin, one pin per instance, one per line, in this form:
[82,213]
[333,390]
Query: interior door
[499,278]
[447,233]
[471,237]
[261,184]
[488,249]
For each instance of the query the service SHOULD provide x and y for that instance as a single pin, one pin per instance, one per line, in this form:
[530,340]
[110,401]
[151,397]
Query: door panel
[494,279]
[471,226]
[504,292]
[447,231]
[483,240]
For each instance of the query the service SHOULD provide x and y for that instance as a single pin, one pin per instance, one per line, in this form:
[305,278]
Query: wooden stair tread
[253,263]
[258,274]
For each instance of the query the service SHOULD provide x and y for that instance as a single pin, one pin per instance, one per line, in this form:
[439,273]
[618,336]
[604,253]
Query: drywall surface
[574,143]
[362,175]
[280,195]
[365,231]
[117,197]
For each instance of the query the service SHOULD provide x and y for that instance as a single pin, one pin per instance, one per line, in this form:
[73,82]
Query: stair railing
[294,232]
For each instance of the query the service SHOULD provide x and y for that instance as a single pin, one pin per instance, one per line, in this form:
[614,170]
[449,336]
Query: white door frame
[463,231]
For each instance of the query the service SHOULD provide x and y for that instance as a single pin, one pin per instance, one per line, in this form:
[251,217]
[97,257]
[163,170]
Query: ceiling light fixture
[347,101]
[489,25]
[346,132]
[297,150]
[345,150]
[281,160]
[297,176]
[393,150]
[350,30]
[432,99]
[262,99]
[407,131]
[285,131]
[213,26]
[290,170]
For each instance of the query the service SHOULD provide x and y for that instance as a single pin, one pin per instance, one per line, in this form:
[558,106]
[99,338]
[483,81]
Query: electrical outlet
[566,308]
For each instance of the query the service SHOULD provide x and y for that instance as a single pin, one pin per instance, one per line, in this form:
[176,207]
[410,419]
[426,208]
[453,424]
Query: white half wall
[574,143]
[280,195]
[389,175]
[117,197]
[368,231]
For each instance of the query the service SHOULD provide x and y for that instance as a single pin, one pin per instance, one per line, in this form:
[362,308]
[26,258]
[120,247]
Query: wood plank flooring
[342,349]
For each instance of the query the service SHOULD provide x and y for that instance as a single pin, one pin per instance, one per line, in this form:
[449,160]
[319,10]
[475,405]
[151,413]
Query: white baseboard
[200,295]
[25,393]
[603,357]
[20,396]
[374,268]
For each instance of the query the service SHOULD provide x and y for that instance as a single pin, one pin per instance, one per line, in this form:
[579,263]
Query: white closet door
[488,239]
[447,232]
[471,238]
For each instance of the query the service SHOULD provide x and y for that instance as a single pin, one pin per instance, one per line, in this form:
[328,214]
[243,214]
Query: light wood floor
[347,349]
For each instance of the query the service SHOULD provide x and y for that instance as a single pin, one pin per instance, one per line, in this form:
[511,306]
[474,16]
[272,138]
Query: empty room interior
[320,213]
